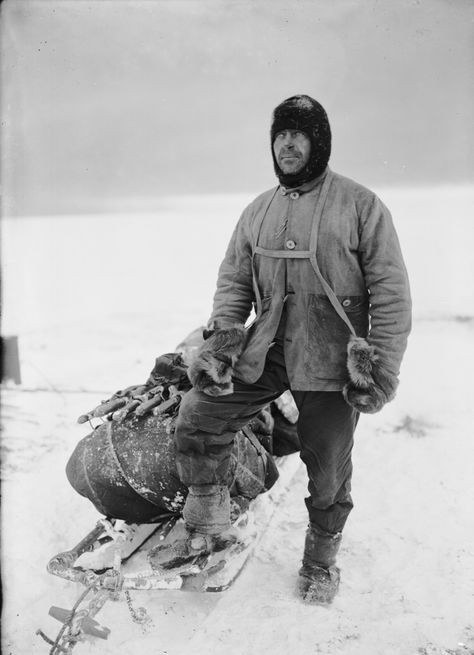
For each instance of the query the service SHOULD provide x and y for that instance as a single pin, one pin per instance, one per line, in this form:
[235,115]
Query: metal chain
[139,615]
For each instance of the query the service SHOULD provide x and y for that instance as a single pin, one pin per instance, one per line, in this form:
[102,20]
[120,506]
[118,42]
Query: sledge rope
[65,641]
[72,639]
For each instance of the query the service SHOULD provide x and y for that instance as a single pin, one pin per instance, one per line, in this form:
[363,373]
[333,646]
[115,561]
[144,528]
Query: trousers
[206,428]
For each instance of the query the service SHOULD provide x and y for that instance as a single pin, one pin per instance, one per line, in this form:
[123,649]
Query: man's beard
[296,167]
[312,169]
[295,178]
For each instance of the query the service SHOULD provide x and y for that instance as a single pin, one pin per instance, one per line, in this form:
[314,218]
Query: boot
[206,529]
[187,548]
[318,580]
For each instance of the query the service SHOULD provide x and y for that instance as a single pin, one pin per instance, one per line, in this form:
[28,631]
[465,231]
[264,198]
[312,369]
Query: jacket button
[290,244]
[294,195]
[346,302]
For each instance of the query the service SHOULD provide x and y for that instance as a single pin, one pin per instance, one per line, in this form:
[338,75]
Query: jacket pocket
[264,307]
[327,334]
[259,337]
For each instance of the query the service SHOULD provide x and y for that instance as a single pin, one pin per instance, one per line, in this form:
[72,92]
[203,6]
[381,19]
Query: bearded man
[319,261]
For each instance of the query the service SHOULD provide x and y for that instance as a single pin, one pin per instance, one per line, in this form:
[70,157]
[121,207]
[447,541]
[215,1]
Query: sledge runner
[319,259]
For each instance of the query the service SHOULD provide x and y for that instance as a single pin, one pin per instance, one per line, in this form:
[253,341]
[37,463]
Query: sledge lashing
[127,465]
[127,469]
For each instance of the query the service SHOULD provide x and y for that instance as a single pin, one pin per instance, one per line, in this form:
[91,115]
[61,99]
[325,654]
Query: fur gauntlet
[212,370]
[370,385]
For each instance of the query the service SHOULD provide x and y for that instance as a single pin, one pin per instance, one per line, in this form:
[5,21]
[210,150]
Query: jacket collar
[307,186]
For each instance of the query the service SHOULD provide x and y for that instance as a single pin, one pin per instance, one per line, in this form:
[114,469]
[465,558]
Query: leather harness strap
[303,254]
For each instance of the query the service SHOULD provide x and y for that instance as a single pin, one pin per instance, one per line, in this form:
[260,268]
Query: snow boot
[190,548]
[207,529]
[319,578]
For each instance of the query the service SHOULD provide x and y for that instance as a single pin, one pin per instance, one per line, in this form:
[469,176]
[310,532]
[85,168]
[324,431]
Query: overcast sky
[110,104]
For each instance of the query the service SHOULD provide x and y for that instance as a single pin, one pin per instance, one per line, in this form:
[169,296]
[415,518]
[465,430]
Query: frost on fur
[361,359]
[211,371]
[371,384]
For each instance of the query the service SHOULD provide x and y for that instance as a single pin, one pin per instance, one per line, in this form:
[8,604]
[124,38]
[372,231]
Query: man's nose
[288,140]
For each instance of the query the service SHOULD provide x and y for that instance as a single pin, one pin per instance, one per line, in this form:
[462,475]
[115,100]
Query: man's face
[291,149]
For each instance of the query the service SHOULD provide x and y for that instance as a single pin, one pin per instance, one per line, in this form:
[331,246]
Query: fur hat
[305,114]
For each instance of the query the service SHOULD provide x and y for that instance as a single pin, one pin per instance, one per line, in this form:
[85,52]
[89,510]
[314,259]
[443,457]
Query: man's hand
[211,372]
[370,385]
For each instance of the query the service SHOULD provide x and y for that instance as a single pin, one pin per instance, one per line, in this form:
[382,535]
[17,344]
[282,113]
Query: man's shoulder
[365,201]
[349,185]
[352,193]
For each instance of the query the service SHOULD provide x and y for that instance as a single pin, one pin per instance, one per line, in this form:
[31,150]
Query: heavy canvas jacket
[342,228]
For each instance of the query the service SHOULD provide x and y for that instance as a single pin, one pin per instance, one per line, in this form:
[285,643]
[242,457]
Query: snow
[94,299]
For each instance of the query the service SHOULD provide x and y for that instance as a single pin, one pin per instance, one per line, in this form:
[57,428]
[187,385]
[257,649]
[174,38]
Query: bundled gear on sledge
[127,465]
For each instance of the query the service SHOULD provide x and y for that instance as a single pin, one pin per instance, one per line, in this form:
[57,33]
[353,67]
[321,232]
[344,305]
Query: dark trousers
[206,427]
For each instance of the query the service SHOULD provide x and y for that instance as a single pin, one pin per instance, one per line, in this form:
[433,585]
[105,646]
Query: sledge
[125,467]
[132,567]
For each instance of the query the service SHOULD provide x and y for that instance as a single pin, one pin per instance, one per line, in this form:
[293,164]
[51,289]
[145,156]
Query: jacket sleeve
[234,292]
[387,282]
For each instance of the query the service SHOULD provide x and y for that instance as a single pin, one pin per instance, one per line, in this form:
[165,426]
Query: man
[319,260]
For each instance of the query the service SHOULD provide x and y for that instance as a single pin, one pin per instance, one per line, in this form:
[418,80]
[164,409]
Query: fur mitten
[371,385]
[212,370]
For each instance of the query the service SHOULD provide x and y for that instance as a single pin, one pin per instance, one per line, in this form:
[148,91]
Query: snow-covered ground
[94,299]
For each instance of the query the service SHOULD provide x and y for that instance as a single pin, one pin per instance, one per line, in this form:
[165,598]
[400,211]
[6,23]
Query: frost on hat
[305,114]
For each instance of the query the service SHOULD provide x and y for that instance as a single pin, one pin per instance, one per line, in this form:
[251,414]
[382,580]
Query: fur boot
[207,508]
[207,528]
[189,547]
[212,370]
[371,385]
[319,578]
